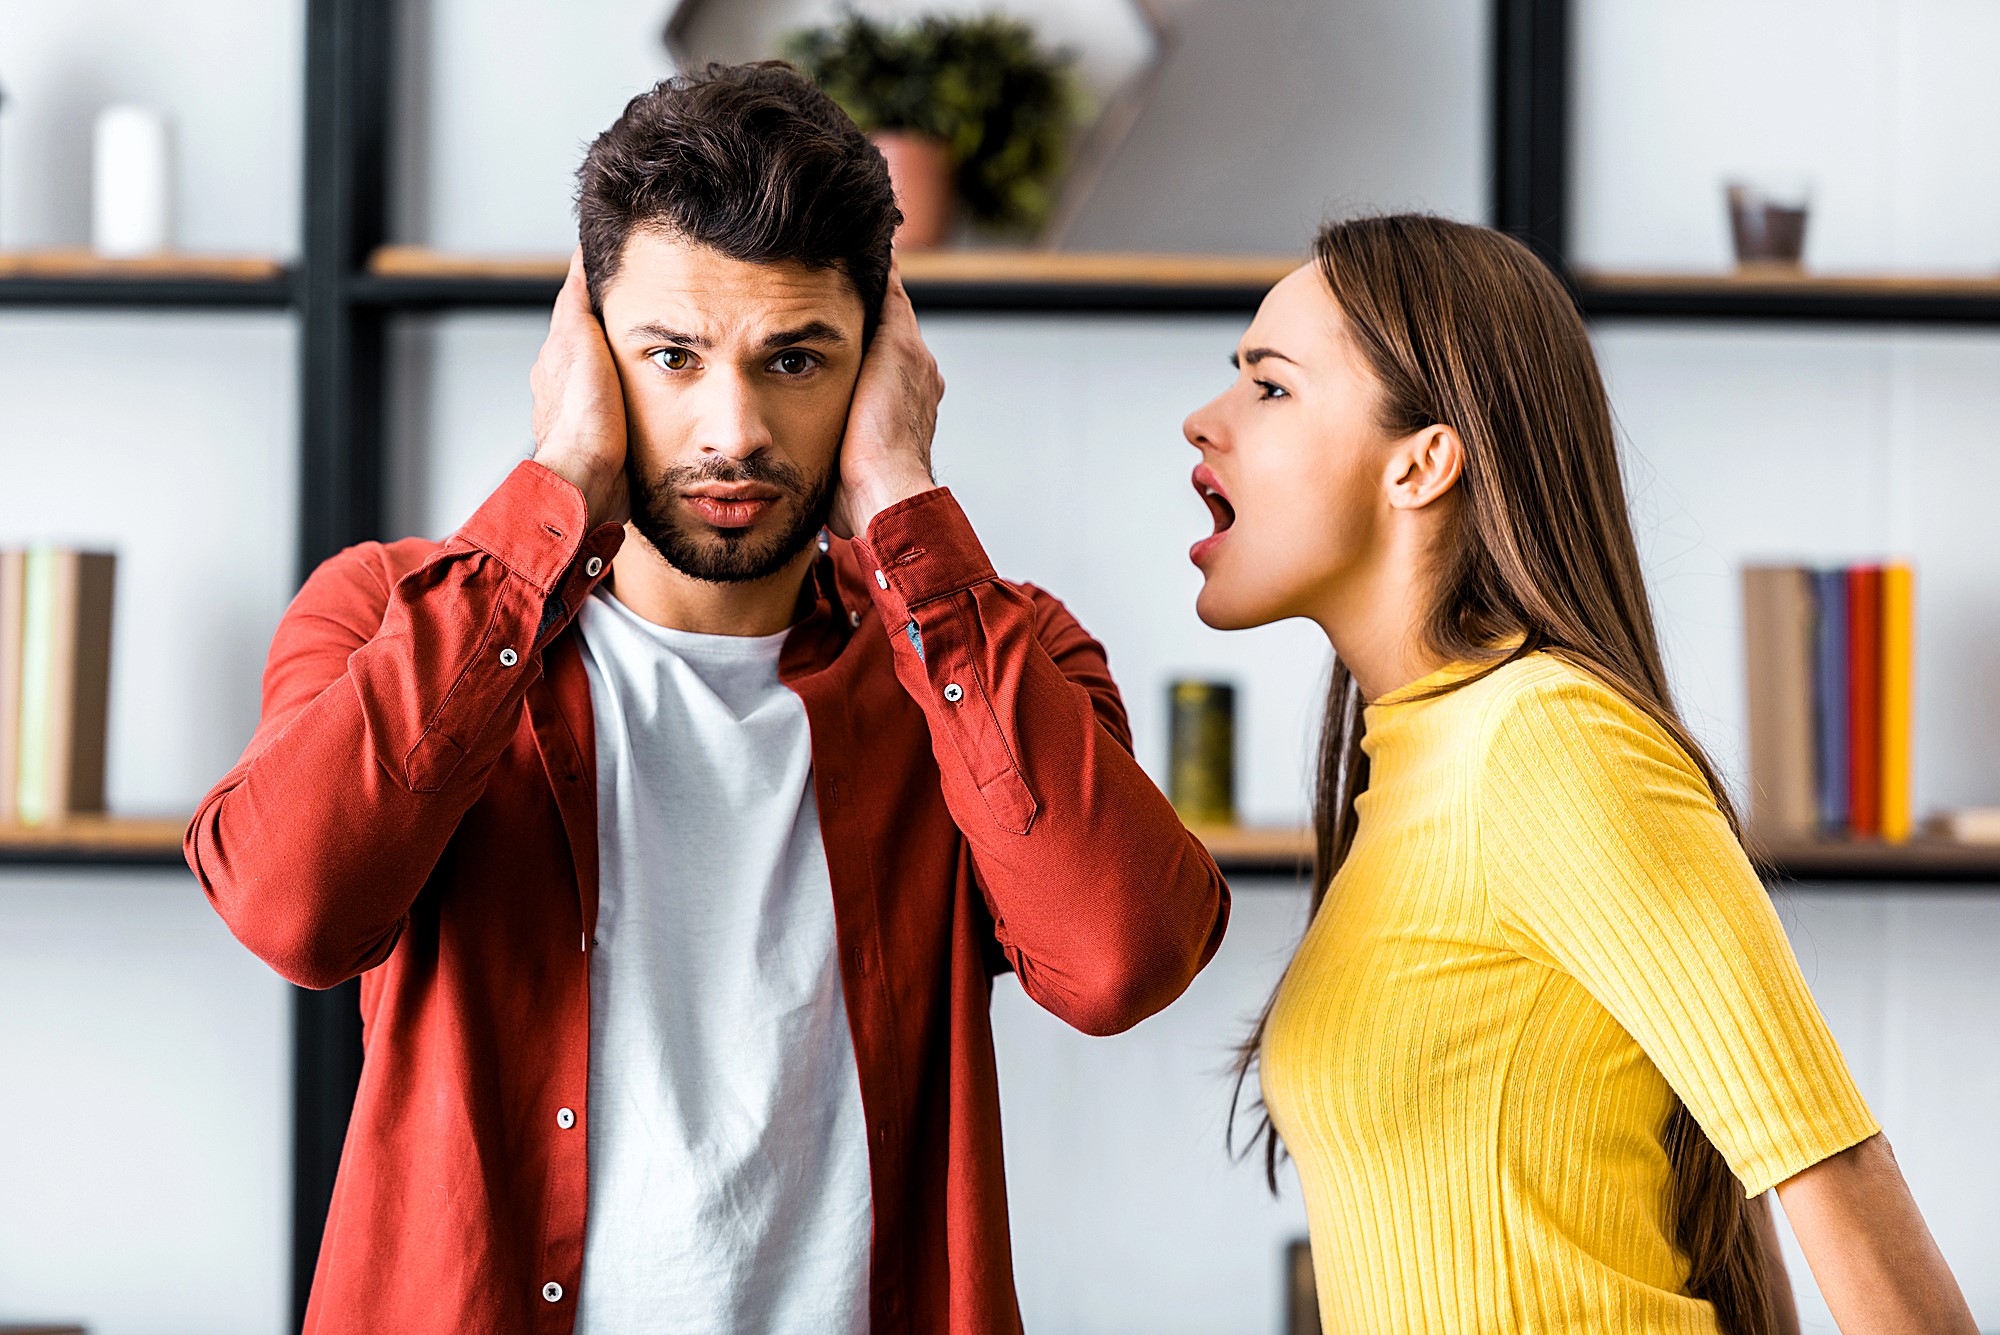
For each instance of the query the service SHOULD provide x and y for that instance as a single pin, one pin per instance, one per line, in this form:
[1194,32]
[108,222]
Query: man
[675,843]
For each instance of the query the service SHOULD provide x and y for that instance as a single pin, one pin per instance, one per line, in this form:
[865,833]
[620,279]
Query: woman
[1544,1045]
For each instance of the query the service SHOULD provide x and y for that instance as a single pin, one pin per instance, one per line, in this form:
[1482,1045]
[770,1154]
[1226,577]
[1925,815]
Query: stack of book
[55,682]
[1829,659]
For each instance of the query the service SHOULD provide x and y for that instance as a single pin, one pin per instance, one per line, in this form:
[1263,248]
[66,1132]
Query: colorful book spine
[38,672]
[1830,698]
[13,592]
[1780,649]
[64,673]
[1864,701]
[1898,689]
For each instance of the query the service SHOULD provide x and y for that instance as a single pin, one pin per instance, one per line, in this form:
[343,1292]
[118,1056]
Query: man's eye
[673,359]
[793,363]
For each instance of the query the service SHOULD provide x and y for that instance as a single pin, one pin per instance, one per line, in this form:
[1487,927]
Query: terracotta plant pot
[920,173]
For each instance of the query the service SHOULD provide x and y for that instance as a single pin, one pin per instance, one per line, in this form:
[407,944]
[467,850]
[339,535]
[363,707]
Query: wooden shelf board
[79,278]
[1782,293]
[93,840]
[939,280]
[1922,861]
[88,264]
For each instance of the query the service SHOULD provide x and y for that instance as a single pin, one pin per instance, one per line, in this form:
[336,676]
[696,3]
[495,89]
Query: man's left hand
[885,456]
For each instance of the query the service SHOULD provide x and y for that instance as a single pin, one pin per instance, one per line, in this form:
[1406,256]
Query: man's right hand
[579,404]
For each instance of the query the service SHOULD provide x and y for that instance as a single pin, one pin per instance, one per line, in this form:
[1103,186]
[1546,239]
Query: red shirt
[418,807]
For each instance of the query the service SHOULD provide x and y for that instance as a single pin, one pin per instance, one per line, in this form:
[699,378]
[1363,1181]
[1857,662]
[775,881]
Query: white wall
[124,1005]
[145,1058]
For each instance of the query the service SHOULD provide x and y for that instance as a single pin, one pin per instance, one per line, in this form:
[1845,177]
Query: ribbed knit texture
[1544,932]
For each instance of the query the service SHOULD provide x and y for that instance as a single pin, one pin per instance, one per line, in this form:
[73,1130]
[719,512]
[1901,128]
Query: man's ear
[1424,466]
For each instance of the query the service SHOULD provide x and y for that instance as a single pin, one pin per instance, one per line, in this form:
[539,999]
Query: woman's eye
[1267,390]
[793,363]
[673,359]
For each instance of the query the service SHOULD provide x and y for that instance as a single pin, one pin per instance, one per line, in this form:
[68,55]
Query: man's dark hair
[751,160]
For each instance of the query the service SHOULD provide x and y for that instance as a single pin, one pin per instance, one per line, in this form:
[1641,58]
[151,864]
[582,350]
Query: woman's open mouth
[1209,487]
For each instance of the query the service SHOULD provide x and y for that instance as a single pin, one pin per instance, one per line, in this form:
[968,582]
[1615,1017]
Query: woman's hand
[579,403]
[1877,1265]
[885,455]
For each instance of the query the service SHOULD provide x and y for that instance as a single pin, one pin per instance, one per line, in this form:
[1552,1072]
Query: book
[38,608]
[1780,656]
[1897,692]
[1864,701]
[65,683]
[1830,698]
[13,589]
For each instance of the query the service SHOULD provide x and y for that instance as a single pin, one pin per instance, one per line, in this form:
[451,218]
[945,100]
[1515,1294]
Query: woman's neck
[1376,619]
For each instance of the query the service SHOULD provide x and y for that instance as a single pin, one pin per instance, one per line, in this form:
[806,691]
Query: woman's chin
[1218,610]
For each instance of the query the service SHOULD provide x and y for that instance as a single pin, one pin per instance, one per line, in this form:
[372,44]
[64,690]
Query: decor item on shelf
[1967,825]
[1120,48]
[131,202]
[1301,1292]
[1829,658]
[1767,226]
[55,682]
[975,96]
[1201,760]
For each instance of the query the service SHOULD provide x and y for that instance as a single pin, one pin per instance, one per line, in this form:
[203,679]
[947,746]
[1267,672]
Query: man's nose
[732,422]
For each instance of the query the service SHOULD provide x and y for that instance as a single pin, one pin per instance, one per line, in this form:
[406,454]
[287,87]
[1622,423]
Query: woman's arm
[1877,1266]
[1783,1306]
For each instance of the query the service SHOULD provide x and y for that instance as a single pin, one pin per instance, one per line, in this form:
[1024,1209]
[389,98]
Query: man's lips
[731,507]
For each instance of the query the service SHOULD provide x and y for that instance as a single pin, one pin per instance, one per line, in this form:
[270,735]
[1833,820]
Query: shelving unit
[93,841]
[79,278]
[1791,296]
[349,283]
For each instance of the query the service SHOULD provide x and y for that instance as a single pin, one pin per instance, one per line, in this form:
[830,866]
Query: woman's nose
[1199,428]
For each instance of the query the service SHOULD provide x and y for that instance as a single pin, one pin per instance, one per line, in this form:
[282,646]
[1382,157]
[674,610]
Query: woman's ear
[1424,466]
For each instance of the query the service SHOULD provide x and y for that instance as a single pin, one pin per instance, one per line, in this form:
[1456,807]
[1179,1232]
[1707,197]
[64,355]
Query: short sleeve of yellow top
[1544,932]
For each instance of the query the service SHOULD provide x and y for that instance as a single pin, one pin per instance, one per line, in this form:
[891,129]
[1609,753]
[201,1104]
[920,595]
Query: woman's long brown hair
[1463,326]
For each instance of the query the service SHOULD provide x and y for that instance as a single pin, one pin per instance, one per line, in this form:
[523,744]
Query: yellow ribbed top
[1543,933]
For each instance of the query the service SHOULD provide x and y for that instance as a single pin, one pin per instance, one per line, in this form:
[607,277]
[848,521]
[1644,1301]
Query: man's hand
[885,457]
[579,404]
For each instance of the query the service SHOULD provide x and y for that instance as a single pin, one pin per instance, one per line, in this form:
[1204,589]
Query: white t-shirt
[728,1150]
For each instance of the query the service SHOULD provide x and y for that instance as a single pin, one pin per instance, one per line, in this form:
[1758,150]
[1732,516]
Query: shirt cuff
[922,549]
[535,524]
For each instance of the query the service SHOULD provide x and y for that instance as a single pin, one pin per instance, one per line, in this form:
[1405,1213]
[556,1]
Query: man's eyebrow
[659,333]
[812,331]
[1251,356]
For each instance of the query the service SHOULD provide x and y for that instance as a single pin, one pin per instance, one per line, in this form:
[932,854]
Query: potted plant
[968,110]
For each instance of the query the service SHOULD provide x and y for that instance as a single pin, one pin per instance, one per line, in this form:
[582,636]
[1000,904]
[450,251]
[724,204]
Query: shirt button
[592,566]
[881,580]
[854,618]
[552,1292]
[565,1118]
[954,692]
[508,658]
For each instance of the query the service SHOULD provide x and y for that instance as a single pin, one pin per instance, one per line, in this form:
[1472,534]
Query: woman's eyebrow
[1251,356]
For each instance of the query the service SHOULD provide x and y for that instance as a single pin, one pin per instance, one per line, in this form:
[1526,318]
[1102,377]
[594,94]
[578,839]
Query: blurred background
[287,298]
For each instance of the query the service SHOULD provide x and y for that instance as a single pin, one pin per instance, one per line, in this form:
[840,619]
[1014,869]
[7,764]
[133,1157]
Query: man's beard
[722,555]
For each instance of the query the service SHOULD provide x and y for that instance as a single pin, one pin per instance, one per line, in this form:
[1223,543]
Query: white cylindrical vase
[131,183]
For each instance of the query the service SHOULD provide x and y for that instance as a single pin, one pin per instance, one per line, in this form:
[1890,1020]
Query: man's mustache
[756,468]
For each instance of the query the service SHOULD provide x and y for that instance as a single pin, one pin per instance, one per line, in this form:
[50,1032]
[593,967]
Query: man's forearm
[1103,902]
[388,699]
